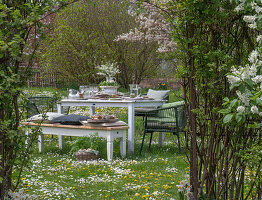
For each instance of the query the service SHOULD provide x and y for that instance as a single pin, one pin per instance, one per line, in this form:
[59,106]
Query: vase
[109,89]
[110,79]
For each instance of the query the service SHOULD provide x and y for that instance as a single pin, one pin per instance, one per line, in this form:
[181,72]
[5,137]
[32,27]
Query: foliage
[162,86]
[22,23]
[91,141]
[82,38]
[108,83]
[210,37]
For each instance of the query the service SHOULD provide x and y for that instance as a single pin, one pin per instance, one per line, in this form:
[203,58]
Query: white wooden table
[110,133]
[130,104]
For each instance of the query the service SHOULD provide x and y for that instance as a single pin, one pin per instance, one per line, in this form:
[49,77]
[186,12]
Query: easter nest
[87,154]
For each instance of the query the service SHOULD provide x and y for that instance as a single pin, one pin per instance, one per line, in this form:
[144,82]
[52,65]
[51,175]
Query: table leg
[161,139]
[59,108]
[60,137]
[123,144]
[61,141]
[110,147]
[131,130]
[41,140]
[92,110]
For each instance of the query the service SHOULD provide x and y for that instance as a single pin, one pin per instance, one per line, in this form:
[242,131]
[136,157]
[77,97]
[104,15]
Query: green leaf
[233,85]
[256,95]
[240,117]
[233,103]
[226,99]
[227,118]
[255,125]
[259,102]
[224,111]
[249,82]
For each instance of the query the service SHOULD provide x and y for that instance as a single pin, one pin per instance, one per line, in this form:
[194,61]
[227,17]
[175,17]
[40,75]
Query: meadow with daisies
[56,174]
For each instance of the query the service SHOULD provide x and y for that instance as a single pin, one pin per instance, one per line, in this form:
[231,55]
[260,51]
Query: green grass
[55,173]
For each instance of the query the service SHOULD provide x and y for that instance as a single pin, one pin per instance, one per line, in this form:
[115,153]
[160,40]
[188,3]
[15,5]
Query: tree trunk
[192,118]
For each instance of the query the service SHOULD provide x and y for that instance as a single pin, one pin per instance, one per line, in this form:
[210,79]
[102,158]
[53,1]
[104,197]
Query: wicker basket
[83,156]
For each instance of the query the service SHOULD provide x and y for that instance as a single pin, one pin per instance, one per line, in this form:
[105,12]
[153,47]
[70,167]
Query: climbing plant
[22,23]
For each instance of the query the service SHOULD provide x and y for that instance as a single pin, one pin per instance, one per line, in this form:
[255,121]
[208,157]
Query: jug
[110,79]
[135,90]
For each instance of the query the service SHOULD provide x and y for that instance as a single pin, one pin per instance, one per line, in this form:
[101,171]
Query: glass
[72,94]
[83,89]
[135,89]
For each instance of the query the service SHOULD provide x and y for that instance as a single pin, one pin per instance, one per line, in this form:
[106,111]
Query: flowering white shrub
[108,69]
[248,79]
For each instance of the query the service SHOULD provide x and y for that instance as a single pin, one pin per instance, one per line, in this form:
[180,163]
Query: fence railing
[40,80]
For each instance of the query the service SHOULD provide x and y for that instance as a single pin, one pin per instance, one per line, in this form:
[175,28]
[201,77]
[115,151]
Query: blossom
[108,69]
[240,109]
[259,38]
[253,56]
[257,79]
[180,188]
[258,9]
[239,7]
[244,97]
[250,19]
[152,27]
[254,109]
[233,79]
[253,25]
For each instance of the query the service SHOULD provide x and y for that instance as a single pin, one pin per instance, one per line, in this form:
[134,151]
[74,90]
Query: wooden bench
[110,133]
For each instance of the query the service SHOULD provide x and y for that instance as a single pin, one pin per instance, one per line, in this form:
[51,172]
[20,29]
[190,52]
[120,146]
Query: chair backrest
[174,111]
[39,105]
[158,94]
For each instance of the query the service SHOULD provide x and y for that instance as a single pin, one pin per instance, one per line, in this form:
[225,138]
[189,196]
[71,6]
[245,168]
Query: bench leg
[123,144]
[110,148]
[161,139]
[41,139]
[61,141]
[26,135]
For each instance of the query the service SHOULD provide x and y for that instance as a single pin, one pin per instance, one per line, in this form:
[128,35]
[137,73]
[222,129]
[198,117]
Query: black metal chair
[169,119]
[40,104]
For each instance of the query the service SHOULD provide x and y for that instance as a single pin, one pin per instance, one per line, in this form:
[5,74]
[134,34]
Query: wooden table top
[58,125]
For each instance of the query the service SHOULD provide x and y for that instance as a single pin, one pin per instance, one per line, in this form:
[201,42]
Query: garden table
[109,132]
[129,103]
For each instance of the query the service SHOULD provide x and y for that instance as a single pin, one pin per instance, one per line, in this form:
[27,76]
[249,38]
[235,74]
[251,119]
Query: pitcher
[110,79]
[135,89]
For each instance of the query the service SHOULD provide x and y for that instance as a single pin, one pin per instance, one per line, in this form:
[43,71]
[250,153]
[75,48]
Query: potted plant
[109,70]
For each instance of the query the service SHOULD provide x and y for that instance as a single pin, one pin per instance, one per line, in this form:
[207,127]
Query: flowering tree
[83,38]
[152,27]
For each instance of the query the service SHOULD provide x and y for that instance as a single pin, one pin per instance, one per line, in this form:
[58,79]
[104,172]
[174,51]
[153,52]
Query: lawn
[55,173]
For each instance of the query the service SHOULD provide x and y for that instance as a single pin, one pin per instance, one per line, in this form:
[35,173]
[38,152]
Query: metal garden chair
[39,105]
[169,119]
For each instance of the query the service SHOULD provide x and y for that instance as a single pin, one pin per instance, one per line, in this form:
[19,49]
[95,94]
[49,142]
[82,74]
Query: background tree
[83,37]
[20,28]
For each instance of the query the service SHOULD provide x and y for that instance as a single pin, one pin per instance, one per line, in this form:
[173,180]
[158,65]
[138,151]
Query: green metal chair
[166,119]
